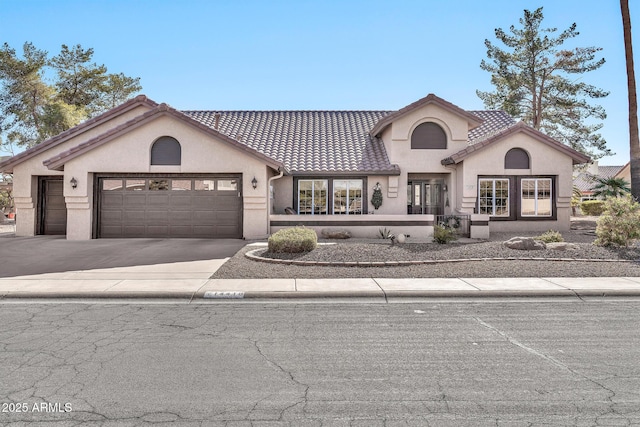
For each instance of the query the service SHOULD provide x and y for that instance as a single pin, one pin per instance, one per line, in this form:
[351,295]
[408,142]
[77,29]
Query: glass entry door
[425,197]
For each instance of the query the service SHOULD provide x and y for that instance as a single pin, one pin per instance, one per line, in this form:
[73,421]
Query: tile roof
[586,181]
[324,141]
[308,141]
[494,122]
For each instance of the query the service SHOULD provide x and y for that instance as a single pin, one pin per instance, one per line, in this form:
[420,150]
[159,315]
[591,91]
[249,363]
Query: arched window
[516,158]
[428,136]
[166,151]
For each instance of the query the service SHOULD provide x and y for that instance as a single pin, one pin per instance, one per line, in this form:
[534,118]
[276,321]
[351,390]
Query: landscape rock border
[252,255]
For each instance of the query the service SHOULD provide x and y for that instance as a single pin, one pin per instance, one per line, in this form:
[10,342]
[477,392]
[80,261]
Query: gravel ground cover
[353,251]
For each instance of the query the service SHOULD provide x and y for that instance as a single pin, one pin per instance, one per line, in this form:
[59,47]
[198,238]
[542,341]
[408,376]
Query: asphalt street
[443,363]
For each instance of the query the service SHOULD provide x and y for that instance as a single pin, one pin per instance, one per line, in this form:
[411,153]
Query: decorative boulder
[524,244]
[562,246]
[335,233]
[401,238]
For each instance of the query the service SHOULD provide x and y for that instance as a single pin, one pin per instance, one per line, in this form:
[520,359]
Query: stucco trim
[517,128]
[140,100]
[57,162]
[473,120]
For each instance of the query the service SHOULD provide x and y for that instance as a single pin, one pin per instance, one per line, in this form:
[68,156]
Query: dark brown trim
[356,223]
[480,223]
[42,201]
[355,174]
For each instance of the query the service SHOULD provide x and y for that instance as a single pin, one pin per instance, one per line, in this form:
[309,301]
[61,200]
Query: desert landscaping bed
[240,266]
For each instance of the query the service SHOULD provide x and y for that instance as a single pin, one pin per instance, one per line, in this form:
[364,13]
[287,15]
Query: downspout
[273,178]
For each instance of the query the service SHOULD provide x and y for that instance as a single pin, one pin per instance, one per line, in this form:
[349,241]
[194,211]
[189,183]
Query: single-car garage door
[198,207]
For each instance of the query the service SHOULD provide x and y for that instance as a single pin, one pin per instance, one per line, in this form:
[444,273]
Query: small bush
[443,234]
[550,236]
[293,240]
[619,224]
[592,207]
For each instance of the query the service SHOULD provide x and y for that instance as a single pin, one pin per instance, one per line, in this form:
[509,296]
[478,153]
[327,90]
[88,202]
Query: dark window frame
[166,151]
[517,158]
[330,201]
[429,136]
[515,197]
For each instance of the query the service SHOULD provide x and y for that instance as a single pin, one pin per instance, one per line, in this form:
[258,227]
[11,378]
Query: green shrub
[619,224]
[592,207]
[443,234]
[293,240]
[550,236]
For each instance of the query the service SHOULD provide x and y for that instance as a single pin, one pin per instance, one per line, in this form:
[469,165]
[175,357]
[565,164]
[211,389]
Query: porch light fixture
[74,182]
[254,182]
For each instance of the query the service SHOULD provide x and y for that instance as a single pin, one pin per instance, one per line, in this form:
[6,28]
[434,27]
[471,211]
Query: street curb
[97,295]
[328,294]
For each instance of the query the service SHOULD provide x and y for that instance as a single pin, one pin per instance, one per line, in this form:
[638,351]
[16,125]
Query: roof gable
[140,100]
[57,162]
[518,127]
[473,120]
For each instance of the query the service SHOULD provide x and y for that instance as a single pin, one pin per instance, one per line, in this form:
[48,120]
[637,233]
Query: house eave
[57,162]
[140,100]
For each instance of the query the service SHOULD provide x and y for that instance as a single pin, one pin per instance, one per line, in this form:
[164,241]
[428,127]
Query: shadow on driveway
[20,256]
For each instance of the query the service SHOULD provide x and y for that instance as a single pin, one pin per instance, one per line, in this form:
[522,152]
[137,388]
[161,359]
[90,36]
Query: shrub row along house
[147,170]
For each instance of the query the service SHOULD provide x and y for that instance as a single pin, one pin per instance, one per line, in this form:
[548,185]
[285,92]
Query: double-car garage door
[169,206]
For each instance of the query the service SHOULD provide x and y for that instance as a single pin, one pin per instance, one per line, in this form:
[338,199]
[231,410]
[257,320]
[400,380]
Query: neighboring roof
[58,161]
[385,121]
[308,142]
[7,165]
[585,181]
[483,142]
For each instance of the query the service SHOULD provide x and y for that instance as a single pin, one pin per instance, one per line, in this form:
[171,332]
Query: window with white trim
[312,196]
[535,197]
[493,197]
[347,196]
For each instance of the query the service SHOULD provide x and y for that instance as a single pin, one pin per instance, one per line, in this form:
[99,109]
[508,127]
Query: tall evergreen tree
[33,110]
[535,81]
[634,140]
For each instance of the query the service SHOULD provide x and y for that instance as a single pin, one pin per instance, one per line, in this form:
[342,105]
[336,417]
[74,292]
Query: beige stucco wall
[544,160]
[25,181]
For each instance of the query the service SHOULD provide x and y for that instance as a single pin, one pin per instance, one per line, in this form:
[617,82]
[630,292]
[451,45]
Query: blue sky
[316,55]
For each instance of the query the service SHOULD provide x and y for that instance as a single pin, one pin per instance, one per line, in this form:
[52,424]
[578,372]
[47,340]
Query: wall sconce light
[254,182]
[74,183]
[444,188]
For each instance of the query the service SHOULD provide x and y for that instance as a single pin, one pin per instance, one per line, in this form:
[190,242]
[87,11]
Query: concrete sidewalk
[190,280]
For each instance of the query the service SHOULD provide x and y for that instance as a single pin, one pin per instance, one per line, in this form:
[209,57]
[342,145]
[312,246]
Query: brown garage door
[197,207]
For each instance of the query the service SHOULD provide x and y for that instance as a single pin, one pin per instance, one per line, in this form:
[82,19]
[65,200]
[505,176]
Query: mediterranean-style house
[145,169]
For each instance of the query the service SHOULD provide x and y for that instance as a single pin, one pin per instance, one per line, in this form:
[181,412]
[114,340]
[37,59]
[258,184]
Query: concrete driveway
[27,256]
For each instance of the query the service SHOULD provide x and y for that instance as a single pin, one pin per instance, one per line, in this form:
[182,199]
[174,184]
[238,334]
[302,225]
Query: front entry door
[425,197]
